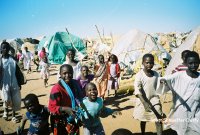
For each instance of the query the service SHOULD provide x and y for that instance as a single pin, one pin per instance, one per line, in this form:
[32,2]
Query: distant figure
[37,114]
[20,60]
[94,109]
[70,59]
[101,76]
[10,82]
[36,60]
[185,87]
[122,131]
[45,70]
[84,78]
[147,105]
[183,66]
[42,53]
[27,56]
[113,74]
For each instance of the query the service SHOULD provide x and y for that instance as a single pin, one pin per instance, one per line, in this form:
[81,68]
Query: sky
[34,18]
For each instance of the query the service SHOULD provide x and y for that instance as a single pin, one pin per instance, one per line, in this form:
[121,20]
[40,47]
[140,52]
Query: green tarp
[58,45]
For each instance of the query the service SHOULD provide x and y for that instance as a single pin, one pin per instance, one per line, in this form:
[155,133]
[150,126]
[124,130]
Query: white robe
[10,92]
[186,93]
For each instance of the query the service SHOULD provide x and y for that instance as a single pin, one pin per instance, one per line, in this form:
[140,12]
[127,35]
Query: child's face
[112,59]
[84,71]
[101,59]
[32,107]
[92,93]
[148,63]
[66,74]
[192,64]
[70,55]
[4,49]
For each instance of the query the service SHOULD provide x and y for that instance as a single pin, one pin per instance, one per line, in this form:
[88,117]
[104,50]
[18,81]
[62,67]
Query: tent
[133,45]
[58,44]
[192,43]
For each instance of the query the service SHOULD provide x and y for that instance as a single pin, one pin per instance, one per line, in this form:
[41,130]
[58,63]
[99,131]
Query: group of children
[185,86]
[76,101]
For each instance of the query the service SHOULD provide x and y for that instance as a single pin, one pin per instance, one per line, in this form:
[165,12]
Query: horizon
[35,18]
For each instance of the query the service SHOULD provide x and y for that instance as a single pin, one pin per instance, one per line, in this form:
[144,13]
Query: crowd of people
[77,99]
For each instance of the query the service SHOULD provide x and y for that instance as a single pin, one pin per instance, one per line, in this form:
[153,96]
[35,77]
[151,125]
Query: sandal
[5,115]
[14,120]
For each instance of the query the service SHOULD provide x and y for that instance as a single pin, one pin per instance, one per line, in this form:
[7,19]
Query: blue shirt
[39,122]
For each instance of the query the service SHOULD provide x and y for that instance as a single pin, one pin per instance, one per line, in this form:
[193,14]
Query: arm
[20,129]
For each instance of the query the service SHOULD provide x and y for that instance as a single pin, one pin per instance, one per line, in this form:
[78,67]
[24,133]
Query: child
[45,70]
[183,66]
[64,98]
[37,114]
[10,82]
[114,73]
[93,107]
[20,60]
[27,57]
[36,60]
[185,87]
[101,76]
[147,106]
[84,78]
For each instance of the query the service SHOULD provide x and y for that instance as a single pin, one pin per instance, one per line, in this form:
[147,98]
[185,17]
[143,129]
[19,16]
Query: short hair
[116,59]
[122,131]
[67,66]
[192,54]
[84,66]
[183,54]
[32,98]
[72,50]
[6,44]
[90,83]
[146,56]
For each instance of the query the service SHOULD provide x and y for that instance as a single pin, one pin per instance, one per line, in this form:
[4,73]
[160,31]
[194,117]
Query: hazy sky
[33,18]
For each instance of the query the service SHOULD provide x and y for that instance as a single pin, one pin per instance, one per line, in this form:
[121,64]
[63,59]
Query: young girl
[45,70]
[84,78]
[147,106]
[64,98]
[185,87]
[93,110]
[37,114]
[114,73]
[101,76]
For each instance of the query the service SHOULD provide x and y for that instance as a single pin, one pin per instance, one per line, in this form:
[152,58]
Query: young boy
[93,107]
[185,87]
[38,116]
[84,78]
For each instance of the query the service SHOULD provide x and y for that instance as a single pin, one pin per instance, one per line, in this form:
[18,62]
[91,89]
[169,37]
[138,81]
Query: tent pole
[71,40]
[99,34]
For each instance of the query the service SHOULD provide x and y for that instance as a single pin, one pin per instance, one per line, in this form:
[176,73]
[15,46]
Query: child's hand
[69,111]
[116,113]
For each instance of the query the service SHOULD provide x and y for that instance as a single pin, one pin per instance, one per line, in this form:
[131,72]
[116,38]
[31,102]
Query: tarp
[58,44]
[192,43]
[133,45]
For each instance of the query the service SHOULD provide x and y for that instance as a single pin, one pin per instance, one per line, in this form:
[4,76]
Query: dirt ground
[124,103]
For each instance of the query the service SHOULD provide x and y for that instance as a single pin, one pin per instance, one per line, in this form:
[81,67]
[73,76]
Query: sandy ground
[124,103]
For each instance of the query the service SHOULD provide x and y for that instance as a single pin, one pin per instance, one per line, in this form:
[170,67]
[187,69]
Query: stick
[99,34]
[71,40]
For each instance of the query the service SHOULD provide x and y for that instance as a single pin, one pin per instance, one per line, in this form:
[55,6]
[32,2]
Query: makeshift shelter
[133,45]
[192,43]
[58,45]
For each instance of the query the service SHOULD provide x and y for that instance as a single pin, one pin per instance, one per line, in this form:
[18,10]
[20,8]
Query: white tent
[133,45]
[192,43]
